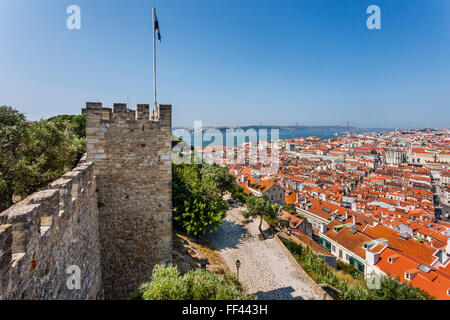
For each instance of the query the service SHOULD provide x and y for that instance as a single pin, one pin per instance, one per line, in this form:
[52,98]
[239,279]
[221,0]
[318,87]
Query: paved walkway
[265,270]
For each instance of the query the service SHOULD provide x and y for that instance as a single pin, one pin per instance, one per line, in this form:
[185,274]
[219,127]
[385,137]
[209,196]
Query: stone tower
[132,163]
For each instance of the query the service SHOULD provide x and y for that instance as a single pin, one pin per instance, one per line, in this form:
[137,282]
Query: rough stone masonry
[110,217]
[46,234]
[132,162]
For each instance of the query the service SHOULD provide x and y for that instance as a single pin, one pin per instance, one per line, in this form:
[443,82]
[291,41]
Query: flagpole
[154,62]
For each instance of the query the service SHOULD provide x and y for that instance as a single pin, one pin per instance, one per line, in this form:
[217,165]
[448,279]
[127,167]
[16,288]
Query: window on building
[407,276]
[340,254]
[333,248]
[448,292]
[347,257]
[357,264]
[325,243]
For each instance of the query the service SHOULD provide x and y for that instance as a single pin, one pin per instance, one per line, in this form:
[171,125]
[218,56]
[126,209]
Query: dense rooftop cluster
[371,199]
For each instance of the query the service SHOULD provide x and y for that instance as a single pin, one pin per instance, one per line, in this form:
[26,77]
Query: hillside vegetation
[33,154]
[167,283]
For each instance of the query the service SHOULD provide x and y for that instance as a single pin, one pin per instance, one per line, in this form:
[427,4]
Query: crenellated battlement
[44,234]
[98,114]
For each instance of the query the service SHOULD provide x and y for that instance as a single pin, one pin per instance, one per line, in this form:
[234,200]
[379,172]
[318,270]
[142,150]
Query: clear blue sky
[234,62]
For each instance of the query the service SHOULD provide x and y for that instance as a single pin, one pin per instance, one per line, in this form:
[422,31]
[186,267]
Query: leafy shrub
[168,284]
[393,289]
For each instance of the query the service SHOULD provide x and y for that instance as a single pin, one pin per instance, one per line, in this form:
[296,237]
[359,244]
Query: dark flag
[157,28]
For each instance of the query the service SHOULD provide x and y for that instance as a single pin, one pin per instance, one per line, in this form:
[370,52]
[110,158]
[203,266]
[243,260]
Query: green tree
[199,217]
[13,134]
[76,124]
[50,151]
[259,207]
[239,194]
[36,153]
[199,207]
[166,283]
[221,177]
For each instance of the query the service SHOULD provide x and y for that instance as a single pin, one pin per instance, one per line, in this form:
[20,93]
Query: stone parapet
[46,233]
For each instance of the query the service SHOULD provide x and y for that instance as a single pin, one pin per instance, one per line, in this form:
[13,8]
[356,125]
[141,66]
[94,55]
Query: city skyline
[232,63]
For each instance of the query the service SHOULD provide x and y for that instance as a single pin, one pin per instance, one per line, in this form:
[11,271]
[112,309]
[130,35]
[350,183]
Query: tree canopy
[35,153]
[259,207]
[220,176]
[197,197]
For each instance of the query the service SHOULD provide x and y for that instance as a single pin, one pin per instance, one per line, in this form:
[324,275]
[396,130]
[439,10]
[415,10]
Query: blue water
[323,133]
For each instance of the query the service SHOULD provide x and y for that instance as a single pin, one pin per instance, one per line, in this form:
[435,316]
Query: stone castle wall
[44,235]
[111,216]
[132,163]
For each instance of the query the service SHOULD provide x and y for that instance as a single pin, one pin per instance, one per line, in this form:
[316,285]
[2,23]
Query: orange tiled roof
[351,241]
[434,282]
[410,246]
[291,199]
